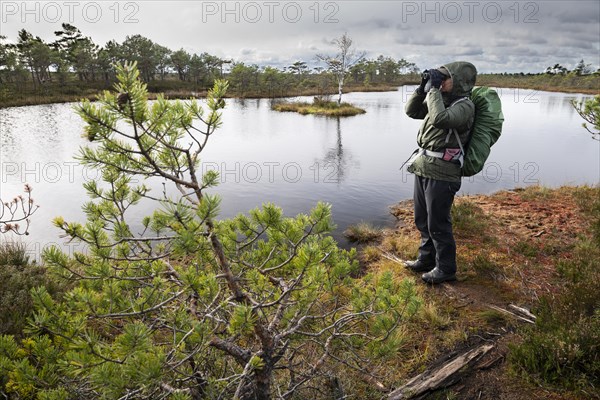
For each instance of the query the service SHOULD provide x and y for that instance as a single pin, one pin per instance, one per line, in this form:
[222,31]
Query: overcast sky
[497,36]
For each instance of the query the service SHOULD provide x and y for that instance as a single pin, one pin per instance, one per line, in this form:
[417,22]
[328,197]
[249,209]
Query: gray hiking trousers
[433,201]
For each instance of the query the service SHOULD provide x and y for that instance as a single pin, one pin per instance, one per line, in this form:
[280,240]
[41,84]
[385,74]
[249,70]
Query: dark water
[295,161]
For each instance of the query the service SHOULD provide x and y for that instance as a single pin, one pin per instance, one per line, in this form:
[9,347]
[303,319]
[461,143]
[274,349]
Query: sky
[497,36]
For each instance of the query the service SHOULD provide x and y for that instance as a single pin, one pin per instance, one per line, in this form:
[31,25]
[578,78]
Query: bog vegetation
[563,348]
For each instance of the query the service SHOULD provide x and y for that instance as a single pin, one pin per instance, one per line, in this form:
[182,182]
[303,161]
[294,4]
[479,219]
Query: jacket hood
[463,74]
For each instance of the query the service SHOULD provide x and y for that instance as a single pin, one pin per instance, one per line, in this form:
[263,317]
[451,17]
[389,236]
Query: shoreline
[546,89]
[179,95]
[34,100]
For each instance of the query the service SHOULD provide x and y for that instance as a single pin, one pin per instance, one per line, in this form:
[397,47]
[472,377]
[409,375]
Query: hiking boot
[419,266]
[436,276]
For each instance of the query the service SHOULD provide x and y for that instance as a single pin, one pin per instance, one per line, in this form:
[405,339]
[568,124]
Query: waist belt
[449,154]
[436,154]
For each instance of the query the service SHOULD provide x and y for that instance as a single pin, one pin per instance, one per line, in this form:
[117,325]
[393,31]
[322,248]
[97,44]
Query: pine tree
[193,307]
[589,110]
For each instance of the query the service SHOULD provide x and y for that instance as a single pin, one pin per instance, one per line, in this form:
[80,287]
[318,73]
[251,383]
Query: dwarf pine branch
[180,303]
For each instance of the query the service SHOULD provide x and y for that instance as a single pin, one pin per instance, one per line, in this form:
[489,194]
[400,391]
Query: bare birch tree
[342,61]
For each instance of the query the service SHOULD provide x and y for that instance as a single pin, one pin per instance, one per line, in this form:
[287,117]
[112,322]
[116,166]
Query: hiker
[442,101]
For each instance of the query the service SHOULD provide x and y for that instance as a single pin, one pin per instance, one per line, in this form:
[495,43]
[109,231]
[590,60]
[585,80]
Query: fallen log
[502,310]
[523,311]
[439,376]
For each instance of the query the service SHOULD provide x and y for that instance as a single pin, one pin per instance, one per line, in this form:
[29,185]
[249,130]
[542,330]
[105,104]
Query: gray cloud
[421,39]
[574,14]
[247,52]
[500,36]
[470,51]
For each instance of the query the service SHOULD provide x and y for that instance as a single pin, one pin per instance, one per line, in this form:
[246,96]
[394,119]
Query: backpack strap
[450,130]
[461,157]
[459,100]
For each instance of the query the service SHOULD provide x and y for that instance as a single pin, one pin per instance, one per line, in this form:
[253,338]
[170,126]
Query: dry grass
[434,316]
[363,233]
[403,245]
[589,84]
[330,109]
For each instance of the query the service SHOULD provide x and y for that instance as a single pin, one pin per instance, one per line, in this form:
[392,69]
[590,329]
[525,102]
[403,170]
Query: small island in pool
[320,106]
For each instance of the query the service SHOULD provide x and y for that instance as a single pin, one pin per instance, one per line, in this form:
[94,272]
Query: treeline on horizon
[33,71]
[74,65]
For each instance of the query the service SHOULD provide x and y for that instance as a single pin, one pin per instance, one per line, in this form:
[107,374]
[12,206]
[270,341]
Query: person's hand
[436,78]
[424,79]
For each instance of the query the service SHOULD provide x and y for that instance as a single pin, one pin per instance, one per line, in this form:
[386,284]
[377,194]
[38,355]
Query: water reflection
[338,161]
[352,163]
[241,103]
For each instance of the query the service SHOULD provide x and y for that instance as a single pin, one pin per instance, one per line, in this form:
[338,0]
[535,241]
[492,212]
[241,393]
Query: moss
[499,264]
[483,263]
[445,394]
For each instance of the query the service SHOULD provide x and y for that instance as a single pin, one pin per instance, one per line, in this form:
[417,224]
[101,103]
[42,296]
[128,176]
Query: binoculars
[425,75]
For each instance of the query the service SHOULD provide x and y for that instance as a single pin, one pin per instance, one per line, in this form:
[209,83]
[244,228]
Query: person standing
[442,102]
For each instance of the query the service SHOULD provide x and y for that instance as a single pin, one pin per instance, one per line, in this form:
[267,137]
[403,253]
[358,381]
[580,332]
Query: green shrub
[482,262]
[588,199]
[560,350]
[13,254]
[563,348]
[18,277]
[526,248]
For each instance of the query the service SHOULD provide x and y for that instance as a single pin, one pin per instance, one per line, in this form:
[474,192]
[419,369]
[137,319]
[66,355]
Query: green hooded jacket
[438,118]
